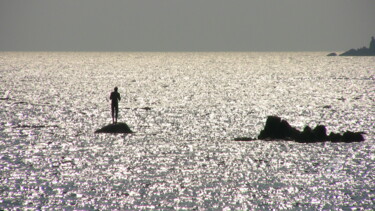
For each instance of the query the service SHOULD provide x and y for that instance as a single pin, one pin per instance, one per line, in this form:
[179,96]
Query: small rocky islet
[278,129]
[370,51]
[115,128]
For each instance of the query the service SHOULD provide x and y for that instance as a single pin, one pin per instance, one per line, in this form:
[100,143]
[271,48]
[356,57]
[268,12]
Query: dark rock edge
[364,51]
[115,128]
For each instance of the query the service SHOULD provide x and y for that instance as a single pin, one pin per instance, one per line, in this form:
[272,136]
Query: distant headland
[360,51]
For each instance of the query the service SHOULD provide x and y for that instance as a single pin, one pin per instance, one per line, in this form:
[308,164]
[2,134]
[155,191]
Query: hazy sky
[185,25]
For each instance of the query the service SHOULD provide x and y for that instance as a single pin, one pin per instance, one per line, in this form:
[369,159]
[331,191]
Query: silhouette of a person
[115,97]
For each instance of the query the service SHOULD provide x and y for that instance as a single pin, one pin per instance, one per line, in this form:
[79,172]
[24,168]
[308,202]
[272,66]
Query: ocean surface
[186,110]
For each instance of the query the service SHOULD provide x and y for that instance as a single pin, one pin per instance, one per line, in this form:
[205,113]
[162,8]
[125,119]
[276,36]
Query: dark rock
[332,54]
[276,128]
[271,129]
[115,128]
[350,52]
[306,136]
[320,133]
[334,137]
[244,139]
[349,136]
[288,131]
[362,51]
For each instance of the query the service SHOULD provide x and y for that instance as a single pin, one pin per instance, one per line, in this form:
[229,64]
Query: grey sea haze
[182,155]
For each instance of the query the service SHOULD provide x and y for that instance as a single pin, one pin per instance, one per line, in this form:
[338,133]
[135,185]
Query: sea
[186,110]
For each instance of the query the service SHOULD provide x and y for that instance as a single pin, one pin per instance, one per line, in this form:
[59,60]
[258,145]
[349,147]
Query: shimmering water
[182,155]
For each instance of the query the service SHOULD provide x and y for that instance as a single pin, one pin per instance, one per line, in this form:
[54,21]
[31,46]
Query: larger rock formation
[276,128]
[362,51]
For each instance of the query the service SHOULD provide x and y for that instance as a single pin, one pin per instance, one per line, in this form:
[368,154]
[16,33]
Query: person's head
[116,89]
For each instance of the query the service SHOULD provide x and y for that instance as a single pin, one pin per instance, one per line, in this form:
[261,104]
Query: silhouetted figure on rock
[115,97]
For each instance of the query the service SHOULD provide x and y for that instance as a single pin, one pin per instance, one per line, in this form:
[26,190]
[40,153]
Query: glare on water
[182,155]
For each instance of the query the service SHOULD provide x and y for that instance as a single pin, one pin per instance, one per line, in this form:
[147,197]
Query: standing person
[115,97]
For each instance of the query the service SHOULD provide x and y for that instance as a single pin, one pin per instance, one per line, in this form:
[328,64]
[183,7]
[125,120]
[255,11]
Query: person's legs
[116,107]
[112,111]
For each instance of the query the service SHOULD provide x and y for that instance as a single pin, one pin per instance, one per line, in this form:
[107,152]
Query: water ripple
[186,109]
